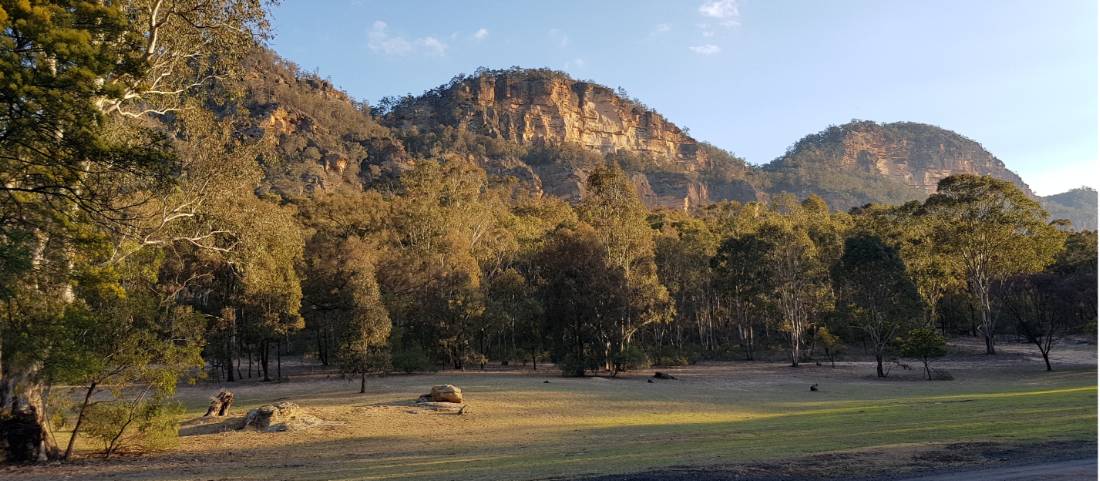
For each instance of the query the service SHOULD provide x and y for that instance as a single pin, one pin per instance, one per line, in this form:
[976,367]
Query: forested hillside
[1077,205]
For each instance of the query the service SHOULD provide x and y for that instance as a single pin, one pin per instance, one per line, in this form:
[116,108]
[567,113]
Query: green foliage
[671,356]
[572,365]
[924,343]
[142,424]
[874,292]
[630,358]
[412,359]
[992,231]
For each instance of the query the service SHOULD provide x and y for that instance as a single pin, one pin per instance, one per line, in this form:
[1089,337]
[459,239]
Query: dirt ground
[523,424]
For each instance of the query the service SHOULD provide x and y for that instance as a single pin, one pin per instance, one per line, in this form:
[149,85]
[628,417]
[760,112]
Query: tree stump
[220,404]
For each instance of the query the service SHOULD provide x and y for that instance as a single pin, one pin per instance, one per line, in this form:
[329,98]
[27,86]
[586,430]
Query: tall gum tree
[71,69]
[993,231]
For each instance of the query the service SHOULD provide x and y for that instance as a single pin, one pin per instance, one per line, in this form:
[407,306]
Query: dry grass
[518,427]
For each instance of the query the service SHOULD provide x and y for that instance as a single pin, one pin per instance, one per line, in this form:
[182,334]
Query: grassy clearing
[519,427]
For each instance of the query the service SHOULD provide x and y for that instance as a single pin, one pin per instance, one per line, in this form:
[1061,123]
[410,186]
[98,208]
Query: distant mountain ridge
[542,132]
[1076,205]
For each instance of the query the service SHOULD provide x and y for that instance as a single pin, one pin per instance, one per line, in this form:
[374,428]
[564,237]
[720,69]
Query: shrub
[411,360]
[631,358]
[149,425]
[571,366]
[672,356]
[924,343]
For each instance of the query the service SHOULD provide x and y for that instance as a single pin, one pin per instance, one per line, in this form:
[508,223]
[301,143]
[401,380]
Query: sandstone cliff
[866,161]
[546,108]
[544,132]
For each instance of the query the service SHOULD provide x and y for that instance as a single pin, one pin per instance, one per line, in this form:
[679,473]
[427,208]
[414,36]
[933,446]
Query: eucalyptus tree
[910,231]
[82,156]
[741,279]
[796,279]
[353,303]
[611,206]
[1059,300]
[993,231]
[684,248]
[874,293]
[583,296]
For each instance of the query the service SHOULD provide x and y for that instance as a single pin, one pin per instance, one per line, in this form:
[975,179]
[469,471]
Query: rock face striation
[547,108]
[538,106]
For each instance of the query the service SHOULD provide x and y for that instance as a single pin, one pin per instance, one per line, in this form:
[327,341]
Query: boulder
[281,416]
[446,393]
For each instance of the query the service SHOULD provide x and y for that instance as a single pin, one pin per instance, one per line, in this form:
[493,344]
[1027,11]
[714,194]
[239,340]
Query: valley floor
[758,420]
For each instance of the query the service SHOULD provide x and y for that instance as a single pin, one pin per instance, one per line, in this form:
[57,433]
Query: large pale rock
[446,393]
[281,416]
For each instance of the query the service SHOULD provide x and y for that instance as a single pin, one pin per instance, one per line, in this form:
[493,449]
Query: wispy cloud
[481,33]
[380,40]
[661,28]
[559,37]
[706,49]
[725,12]
[432,45]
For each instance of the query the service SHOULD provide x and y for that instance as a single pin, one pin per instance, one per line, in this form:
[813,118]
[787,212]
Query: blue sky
[753,76]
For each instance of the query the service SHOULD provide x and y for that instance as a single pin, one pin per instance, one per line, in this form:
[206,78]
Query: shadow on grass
[648,442]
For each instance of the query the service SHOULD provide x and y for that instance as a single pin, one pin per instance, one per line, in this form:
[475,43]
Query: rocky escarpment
[865,161]
[547,108]
[542,132]
[529,106]
[322,139]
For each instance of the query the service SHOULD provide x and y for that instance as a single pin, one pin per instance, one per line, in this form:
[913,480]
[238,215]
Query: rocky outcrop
[546,108]
[540,132]
[865,161]
[281,416]
[532,106]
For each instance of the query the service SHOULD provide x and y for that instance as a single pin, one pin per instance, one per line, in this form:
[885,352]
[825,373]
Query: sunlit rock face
[881,162]
[539,107]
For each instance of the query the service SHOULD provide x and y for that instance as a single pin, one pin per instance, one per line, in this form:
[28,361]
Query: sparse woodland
[162,222]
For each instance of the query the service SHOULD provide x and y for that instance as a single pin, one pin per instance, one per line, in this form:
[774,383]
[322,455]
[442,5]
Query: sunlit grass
[521,428]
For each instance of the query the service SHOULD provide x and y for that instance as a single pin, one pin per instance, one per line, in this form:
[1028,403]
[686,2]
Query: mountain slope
[862,161]
[1076,205]
[546,110]
[542,132]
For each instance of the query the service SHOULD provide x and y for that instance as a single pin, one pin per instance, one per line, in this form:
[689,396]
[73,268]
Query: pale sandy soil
[520,427]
